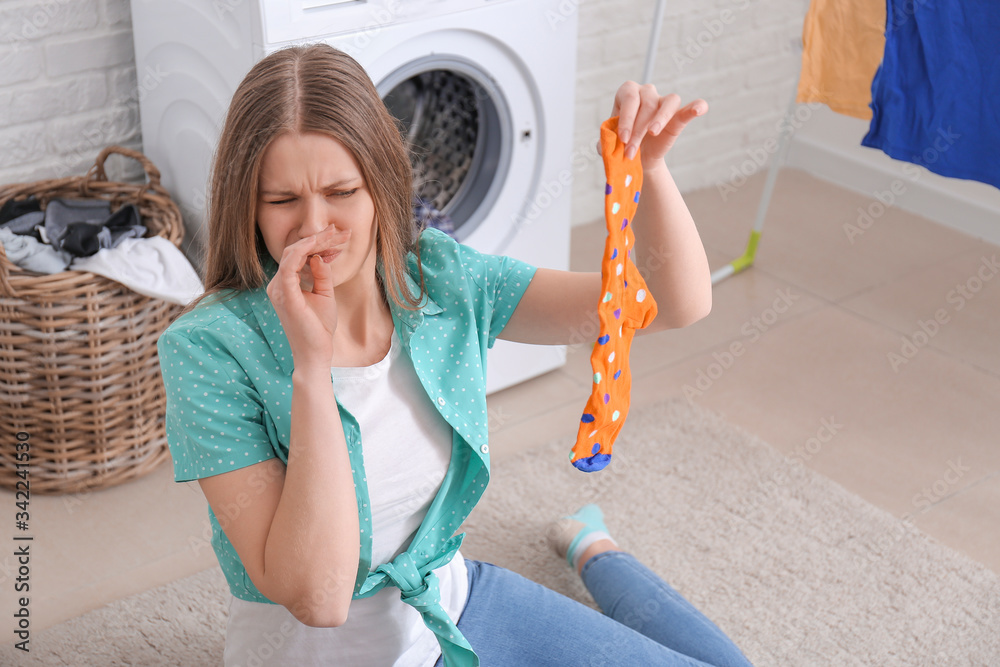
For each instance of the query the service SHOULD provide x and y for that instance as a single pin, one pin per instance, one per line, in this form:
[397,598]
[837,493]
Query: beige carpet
[795,569]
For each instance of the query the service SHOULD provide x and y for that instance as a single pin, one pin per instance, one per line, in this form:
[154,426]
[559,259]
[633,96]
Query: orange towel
[626,305]
[842,46]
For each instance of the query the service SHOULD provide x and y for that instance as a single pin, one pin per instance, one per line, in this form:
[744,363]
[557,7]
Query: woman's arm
[299,538]
[295,527]
[669,253]
[668,250]
[313,546]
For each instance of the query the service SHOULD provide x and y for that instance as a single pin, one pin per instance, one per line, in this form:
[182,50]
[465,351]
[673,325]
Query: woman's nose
[316,216]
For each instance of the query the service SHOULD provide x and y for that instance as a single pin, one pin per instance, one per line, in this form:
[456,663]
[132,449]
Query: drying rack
[745,260]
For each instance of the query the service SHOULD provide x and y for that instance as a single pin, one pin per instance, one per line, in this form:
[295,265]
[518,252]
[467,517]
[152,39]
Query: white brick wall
[67,88]
[739,55]
[68,85]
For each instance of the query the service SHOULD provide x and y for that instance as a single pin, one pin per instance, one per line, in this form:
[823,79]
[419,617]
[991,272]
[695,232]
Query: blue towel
[936,95]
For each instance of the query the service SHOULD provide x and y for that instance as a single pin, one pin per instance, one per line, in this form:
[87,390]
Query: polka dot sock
[572,535]
[626,305]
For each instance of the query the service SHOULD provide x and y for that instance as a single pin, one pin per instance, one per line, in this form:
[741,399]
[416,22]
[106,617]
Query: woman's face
[309,182]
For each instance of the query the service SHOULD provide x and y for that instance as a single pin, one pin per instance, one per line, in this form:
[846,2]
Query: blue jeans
[512,621]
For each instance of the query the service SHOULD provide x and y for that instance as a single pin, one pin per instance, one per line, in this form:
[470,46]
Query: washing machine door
[472,122]
[458,130]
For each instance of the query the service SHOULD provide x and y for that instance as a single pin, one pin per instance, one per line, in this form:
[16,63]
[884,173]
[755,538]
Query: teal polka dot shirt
[227,368]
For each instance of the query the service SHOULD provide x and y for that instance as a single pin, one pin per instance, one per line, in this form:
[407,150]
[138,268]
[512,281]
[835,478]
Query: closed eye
[342,193]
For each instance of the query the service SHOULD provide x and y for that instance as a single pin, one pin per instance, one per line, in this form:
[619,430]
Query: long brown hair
[307,88]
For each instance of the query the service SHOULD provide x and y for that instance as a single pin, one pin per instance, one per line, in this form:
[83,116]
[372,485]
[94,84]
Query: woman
[326,316]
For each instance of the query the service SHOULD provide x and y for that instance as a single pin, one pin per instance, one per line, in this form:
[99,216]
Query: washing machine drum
[458,145]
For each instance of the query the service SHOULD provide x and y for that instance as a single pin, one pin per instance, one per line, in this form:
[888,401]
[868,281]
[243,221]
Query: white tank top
[406,446]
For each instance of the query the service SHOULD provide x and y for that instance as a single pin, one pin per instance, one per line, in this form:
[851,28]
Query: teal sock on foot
[593,529]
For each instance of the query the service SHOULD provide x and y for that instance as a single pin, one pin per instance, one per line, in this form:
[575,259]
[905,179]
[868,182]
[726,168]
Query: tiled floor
[822,371]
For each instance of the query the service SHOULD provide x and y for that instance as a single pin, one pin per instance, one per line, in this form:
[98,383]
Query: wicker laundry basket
[79,373]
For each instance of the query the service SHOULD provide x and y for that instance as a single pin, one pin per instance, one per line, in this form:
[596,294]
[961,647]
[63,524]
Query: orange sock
[626,305]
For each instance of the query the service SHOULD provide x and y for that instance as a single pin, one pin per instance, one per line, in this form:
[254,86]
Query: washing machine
[484,90]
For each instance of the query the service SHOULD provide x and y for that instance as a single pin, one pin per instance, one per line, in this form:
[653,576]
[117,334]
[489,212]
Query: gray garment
[26,223]
[109,240]
[29,253]
[60,213]
[84,226]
